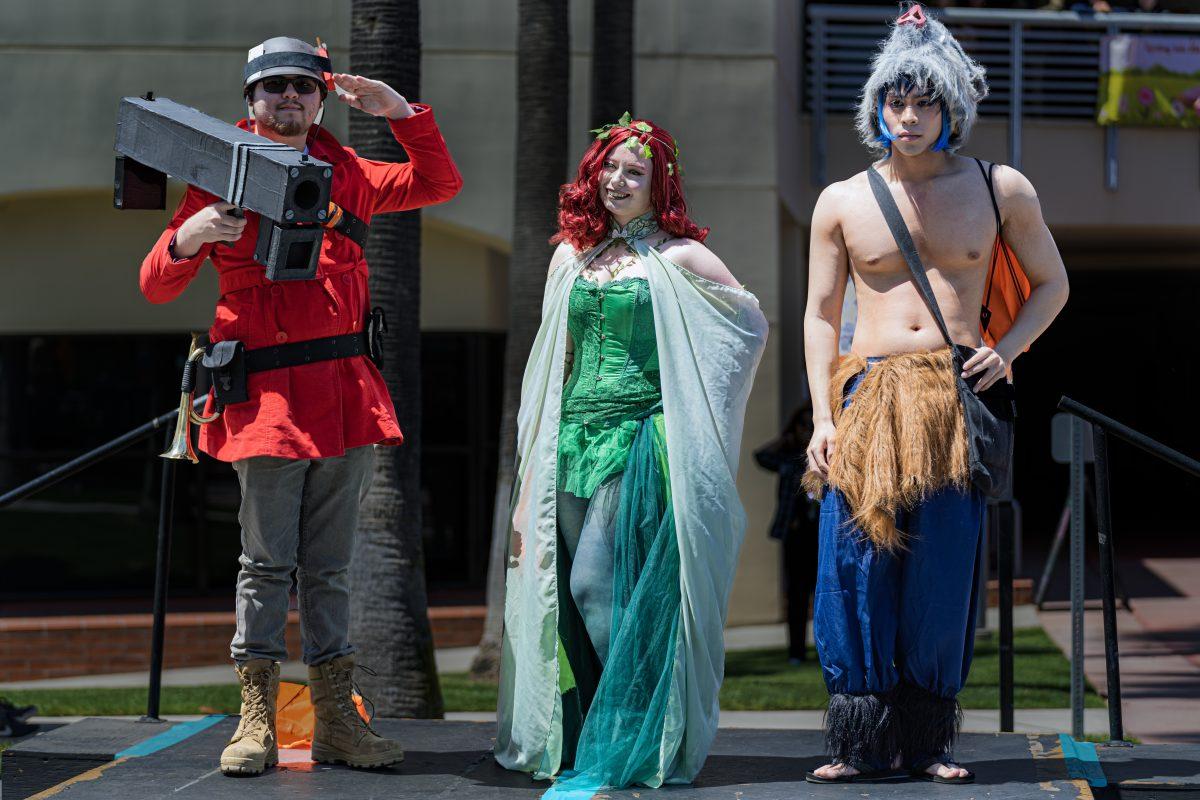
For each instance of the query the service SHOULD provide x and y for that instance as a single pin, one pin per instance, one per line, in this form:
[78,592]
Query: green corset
[614,383]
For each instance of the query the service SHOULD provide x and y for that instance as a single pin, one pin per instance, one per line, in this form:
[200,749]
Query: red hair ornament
[322,50]
[914,16]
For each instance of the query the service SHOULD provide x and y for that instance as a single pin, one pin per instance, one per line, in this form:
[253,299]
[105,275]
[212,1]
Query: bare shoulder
[695,257]
[1011,183]
[561,253]
[1014,193]
[835,205]
[838,195]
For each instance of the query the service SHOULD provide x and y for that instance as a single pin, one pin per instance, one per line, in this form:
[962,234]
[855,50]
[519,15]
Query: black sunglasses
[279,85]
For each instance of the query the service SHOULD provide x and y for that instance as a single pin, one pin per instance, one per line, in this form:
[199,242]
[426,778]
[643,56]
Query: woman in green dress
[626,521]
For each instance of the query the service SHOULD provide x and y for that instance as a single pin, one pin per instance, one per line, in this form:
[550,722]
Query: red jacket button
[276,290]
[281,337]
[346,278]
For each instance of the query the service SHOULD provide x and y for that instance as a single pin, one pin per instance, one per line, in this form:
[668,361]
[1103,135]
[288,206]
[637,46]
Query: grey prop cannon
[287,188]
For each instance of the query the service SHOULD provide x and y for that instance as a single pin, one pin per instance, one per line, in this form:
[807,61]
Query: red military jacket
[324,408]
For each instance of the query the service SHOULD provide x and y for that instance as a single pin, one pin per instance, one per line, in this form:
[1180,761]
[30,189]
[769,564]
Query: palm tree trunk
[612,60]
[543,92]
[389,619]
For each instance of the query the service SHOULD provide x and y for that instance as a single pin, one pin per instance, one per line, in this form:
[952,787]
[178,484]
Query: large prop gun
[287,188]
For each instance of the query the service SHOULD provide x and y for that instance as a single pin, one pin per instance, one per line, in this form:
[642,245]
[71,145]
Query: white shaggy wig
[925,57]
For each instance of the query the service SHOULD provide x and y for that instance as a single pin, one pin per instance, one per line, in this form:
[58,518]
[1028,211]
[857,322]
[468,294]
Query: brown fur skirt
[901,437]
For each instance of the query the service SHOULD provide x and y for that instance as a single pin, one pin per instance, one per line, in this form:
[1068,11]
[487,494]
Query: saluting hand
[374,97]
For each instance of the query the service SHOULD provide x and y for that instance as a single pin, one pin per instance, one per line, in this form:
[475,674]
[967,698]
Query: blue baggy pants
[895,631]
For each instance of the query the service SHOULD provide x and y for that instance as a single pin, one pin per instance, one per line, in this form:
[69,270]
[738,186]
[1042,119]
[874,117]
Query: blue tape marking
[174,736]
[573,785]
[556,792]
[1082,761]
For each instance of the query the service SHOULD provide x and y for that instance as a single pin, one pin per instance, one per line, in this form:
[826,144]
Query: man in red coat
[302,443]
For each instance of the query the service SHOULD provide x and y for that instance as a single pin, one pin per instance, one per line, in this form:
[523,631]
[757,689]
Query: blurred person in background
[795,523]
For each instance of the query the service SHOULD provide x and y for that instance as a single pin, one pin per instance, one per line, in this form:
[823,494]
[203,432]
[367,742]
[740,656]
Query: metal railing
[1039,64]
[166,507]
[1005,534]
[1102,427]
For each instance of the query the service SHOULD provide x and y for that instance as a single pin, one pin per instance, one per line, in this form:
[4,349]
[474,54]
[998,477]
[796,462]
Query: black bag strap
[891,213]
[987,178]
[350,226]
[985,314]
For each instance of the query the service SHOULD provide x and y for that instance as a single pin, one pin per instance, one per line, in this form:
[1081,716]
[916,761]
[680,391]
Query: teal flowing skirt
[616,692]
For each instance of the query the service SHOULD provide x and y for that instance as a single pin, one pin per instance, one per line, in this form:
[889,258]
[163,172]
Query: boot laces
[345,687]
[256,698]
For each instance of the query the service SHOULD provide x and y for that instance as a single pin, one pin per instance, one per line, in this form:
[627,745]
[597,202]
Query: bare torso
[953,226]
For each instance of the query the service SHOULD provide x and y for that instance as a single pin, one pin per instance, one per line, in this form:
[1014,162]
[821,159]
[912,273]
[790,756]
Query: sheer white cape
[710,339]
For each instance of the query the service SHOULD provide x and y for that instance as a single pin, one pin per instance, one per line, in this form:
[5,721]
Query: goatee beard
[284,127]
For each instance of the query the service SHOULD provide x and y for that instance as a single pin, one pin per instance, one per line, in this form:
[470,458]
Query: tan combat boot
[341,735]
[254,746]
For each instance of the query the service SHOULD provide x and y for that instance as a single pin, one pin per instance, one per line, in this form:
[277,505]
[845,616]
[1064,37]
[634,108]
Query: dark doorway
[1123,346]
[88,543]
[462,382]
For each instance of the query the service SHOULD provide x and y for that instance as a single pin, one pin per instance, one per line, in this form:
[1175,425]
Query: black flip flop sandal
[919,772]
[864,775]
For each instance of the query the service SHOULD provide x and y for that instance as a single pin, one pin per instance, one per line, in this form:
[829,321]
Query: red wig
[583,221]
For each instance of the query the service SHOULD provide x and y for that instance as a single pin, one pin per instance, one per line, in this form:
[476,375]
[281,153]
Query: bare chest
[618,260]
[953,229]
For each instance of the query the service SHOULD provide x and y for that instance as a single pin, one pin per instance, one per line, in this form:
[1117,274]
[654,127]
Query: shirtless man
[894,613]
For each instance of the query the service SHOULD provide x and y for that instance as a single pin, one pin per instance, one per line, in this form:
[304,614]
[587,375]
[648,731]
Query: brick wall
[54,647]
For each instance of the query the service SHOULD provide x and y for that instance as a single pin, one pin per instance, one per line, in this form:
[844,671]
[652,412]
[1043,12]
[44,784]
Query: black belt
[297,354]
[230,362]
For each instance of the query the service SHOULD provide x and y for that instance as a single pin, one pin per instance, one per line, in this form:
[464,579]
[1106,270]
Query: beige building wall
[1158,169]
[70,61]
[70,264]
[81,277]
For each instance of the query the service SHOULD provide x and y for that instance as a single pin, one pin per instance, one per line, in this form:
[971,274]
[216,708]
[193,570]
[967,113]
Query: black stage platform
[453,759]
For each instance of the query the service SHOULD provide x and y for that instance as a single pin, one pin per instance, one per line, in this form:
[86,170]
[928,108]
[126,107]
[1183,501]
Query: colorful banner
[1150,80]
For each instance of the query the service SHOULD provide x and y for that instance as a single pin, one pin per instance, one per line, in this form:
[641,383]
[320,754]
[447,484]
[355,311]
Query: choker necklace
[636,228]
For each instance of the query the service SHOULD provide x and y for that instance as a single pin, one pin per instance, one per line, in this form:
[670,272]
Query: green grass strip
[755,680]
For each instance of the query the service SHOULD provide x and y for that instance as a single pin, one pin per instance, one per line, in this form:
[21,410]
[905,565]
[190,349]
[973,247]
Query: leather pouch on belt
[376,327]
[226,361]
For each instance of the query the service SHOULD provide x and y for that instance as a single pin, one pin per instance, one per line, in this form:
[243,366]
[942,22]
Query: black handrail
[166,507]
[1002,534]
[1101,427]
[1135,438]
[93,456]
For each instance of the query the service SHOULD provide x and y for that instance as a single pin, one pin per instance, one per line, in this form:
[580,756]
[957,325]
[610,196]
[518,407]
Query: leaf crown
[638,142]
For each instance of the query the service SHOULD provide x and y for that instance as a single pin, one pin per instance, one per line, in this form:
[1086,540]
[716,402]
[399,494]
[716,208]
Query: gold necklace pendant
[620,264]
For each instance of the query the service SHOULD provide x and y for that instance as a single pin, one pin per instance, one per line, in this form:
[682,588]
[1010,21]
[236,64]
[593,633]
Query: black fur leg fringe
[928,723]
[861,728]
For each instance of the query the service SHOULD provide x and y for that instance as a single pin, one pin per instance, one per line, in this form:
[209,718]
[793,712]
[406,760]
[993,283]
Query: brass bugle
[181,443]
